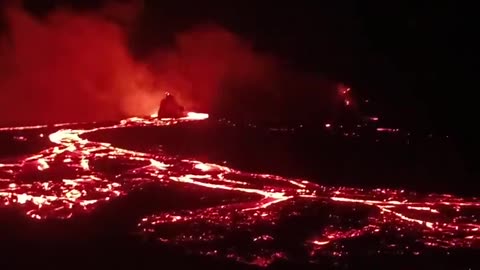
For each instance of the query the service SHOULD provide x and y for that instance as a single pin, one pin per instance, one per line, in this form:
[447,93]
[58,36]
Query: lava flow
[263,218]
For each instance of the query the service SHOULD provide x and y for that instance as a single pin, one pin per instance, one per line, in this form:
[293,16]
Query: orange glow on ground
[437,220]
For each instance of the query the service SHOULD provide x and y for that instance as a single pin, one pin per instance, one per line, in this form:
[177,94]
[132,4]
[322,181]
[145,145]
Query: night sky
[412,60]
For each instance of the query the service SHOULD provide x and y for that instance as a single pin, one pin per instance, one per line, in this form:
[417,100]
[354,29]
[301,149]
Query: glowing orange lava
[62,180]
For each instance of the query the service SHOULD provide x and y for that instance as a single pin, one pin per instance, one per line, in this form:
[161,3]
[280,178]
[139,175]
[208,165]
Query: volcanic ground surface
[214,210]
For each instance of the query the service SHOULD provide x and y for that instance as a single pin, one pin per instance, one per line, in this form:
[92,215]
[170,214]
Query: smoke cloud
[69,67]
[72,66]
[205,60]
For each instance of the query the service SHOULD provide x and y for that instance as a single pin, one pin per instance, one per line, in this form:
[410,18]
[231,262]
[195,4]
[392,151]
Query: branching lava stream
[63,180]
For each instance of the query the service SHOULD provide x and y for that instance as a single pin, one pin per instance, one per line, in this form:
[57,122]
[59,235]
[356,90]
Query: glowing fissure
[64,180]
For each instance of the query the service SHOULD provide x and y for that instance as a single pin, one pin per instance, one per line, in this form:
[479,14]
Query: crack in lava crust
[63,180]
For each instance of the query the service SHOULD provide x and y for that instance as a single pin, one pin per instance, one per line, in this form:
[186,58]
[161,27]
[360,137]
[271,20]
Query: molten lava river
[260,219]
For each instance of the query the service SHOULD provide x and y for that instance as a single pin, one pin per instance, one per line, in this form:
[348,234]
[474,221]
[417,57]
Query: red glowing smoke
[69,67]
[77,67]
[205,59]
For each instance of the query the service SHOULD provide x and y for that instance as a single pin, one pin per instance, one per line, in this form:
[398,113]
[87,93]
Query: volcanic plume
[77,66]
[205,59]
[69,67]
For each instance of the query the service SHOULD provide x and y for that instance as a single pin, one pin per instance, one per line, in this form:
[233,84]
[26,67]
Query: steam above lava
[72,66]
[68,67]
[77,66]
[205,60]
